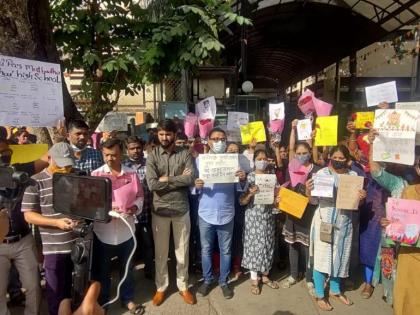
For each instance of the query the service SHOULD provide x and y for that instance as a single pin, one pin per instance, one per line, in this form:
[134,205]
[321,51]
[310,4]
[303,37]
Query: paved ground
[293,301]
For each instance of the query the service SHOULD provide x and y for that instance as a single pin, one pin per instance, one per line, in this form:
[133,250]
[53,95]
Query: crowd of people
[217,229]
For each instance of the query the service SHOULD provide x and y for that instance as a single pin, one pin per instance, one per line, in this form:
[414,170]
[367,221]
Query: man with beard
[137,162]
[170,173]
[87,159]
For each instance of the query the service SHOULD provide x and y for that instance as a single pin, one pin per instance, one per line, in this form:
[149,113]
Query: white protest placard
[31,93]
[396,140]
[234,121]
[113,121]
[276,111]
[385,92]
[266,184]
[206,109]
[323,186]
[218,168]
[412,106]
[304,129]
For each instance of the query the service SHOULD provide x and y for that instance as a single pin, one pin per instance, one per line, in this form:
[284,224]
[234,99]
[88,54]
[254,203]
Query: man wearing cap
[56,229]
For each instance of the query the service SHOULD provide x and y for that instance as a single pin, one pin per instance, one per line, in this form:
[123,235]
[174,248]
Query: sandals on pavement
[270,283]
[136,309]
[341,298]
[367,291]
[255,288]
[323,304]
[289,282]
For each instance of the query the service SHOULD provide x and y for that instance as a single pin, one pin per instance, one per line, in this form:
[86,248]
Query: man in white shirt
[115,238]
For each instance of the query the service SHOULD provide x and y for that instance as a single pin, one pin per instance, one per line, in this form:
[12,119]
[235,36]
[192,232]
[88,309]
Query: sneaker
[227,292]
[204,289]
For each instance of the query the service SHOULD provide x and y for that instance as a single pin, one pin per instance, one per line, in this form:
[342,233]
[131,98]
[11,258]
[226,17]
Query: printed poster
[253,130]
[385,92]
[404,215]
[396,140]
[218,168]
[234,121]
[304,129]
[276,111]
[326,131]
[206,109]
[266,184]
[31,93]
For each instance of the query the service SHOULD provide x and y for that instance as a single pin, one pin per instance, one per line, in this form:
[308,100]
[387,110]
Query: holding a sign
[254,130]
[218,168]
[266,184]
[385,92]
[326,131]
[234,121]
[348,191]
[323,185]
[304,129]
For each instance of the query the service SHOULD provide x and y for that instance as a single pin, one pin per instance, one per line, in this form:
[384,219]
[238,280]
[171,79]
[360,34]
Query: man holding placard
[216,187]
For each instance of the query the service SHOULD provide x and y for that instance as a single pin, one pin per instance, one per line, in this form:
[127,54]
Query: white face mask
[77,149]
[261,165]
[219,147]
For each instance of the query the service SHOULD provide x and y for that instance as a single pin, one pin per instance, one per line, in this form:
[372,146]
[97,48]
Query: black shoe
[227,292]
[18,300]
[204,289]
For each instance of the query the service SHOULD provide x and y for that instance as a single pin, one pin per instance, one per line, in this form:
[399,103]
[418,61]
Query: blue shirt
[217,201]
[90,160]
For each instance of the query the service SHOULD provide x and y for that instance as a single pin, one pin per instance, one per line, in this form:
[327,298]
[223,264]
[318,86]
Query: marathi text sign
[234,121]
[348,191]
[30,92]
[385,92]
[218,168]
[266,184]
[404,216]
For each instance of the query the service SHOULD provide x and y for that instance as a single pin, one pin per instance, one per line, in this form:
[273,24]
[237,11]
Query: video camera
[87,198]
[10,178]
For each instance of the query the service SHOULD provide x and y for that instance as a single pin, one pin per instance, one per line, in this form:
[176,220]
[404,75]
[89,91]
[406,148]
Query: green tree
[121,44]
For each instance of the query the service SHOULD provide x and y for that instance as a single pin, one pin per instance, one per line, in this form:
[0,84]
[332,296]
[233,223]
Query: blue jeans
[101,268]
[208,233]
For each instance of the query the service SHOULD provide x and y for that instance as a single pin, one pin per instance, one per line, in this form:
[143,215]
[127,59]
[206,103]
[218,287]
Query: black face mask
[339,165]
[5,159]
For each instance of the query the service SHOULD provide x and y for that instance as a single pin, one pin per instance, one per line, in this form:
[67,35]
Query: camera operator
[18,246]
[115,238]
[56,229]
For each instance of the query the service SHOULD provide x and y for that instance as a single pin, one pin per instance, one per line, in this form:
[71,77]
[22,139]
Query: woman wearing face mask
[259,230]
[331,257]
[296,231]
[404,293]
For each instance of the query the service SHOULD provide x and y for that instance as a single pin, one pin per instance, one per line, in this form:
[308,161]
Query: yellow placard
[292,202]
[326,131]
[24,153]
[253,130]
[362,118]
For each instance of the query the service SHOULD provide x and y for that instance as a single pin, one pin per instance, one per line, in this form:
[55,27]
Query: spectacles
[218,139]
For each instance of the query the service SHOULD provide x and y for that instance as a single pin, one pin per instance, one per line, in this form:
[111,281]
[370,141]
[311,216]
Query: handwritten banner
[396,140]
[24,153]
[326,131]
[404,215]
[31,92]
[364,120]
[348,192]
[323,186]
[292,202]
[385,92]
[412,106]
[218,168]
[266,184]
[254,130]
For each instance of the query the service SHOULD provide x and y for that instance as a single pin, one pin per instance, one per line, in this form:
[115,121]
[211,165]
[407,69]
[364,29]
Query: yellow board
[24,153]
[292,203]
[326,131]
[362,118]
[254,130]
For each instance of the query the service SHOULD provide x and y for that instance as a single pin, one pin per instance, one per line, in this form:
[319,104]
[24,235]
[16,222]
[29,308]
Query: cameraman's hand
[64,224]
[132,210]
[4,224]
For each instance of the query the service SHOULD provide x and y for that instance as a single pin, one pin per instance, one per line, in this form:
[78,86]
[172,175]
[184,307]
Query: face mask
[219,147]
[261,165]
[303,158]
[5,159]
[339,165]
[77,149]
[145,154]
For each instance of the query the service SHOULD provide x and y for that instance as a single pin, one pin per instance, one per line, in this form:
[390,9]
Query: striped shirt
[39,198]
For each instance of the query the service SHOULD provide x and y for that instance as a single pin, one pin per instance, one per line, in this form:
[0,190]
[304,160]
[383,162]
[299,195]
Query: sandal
[270,283]
[341,298]
[325,305]
[289,282]
[137,309]
[255,288]
[367,291]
